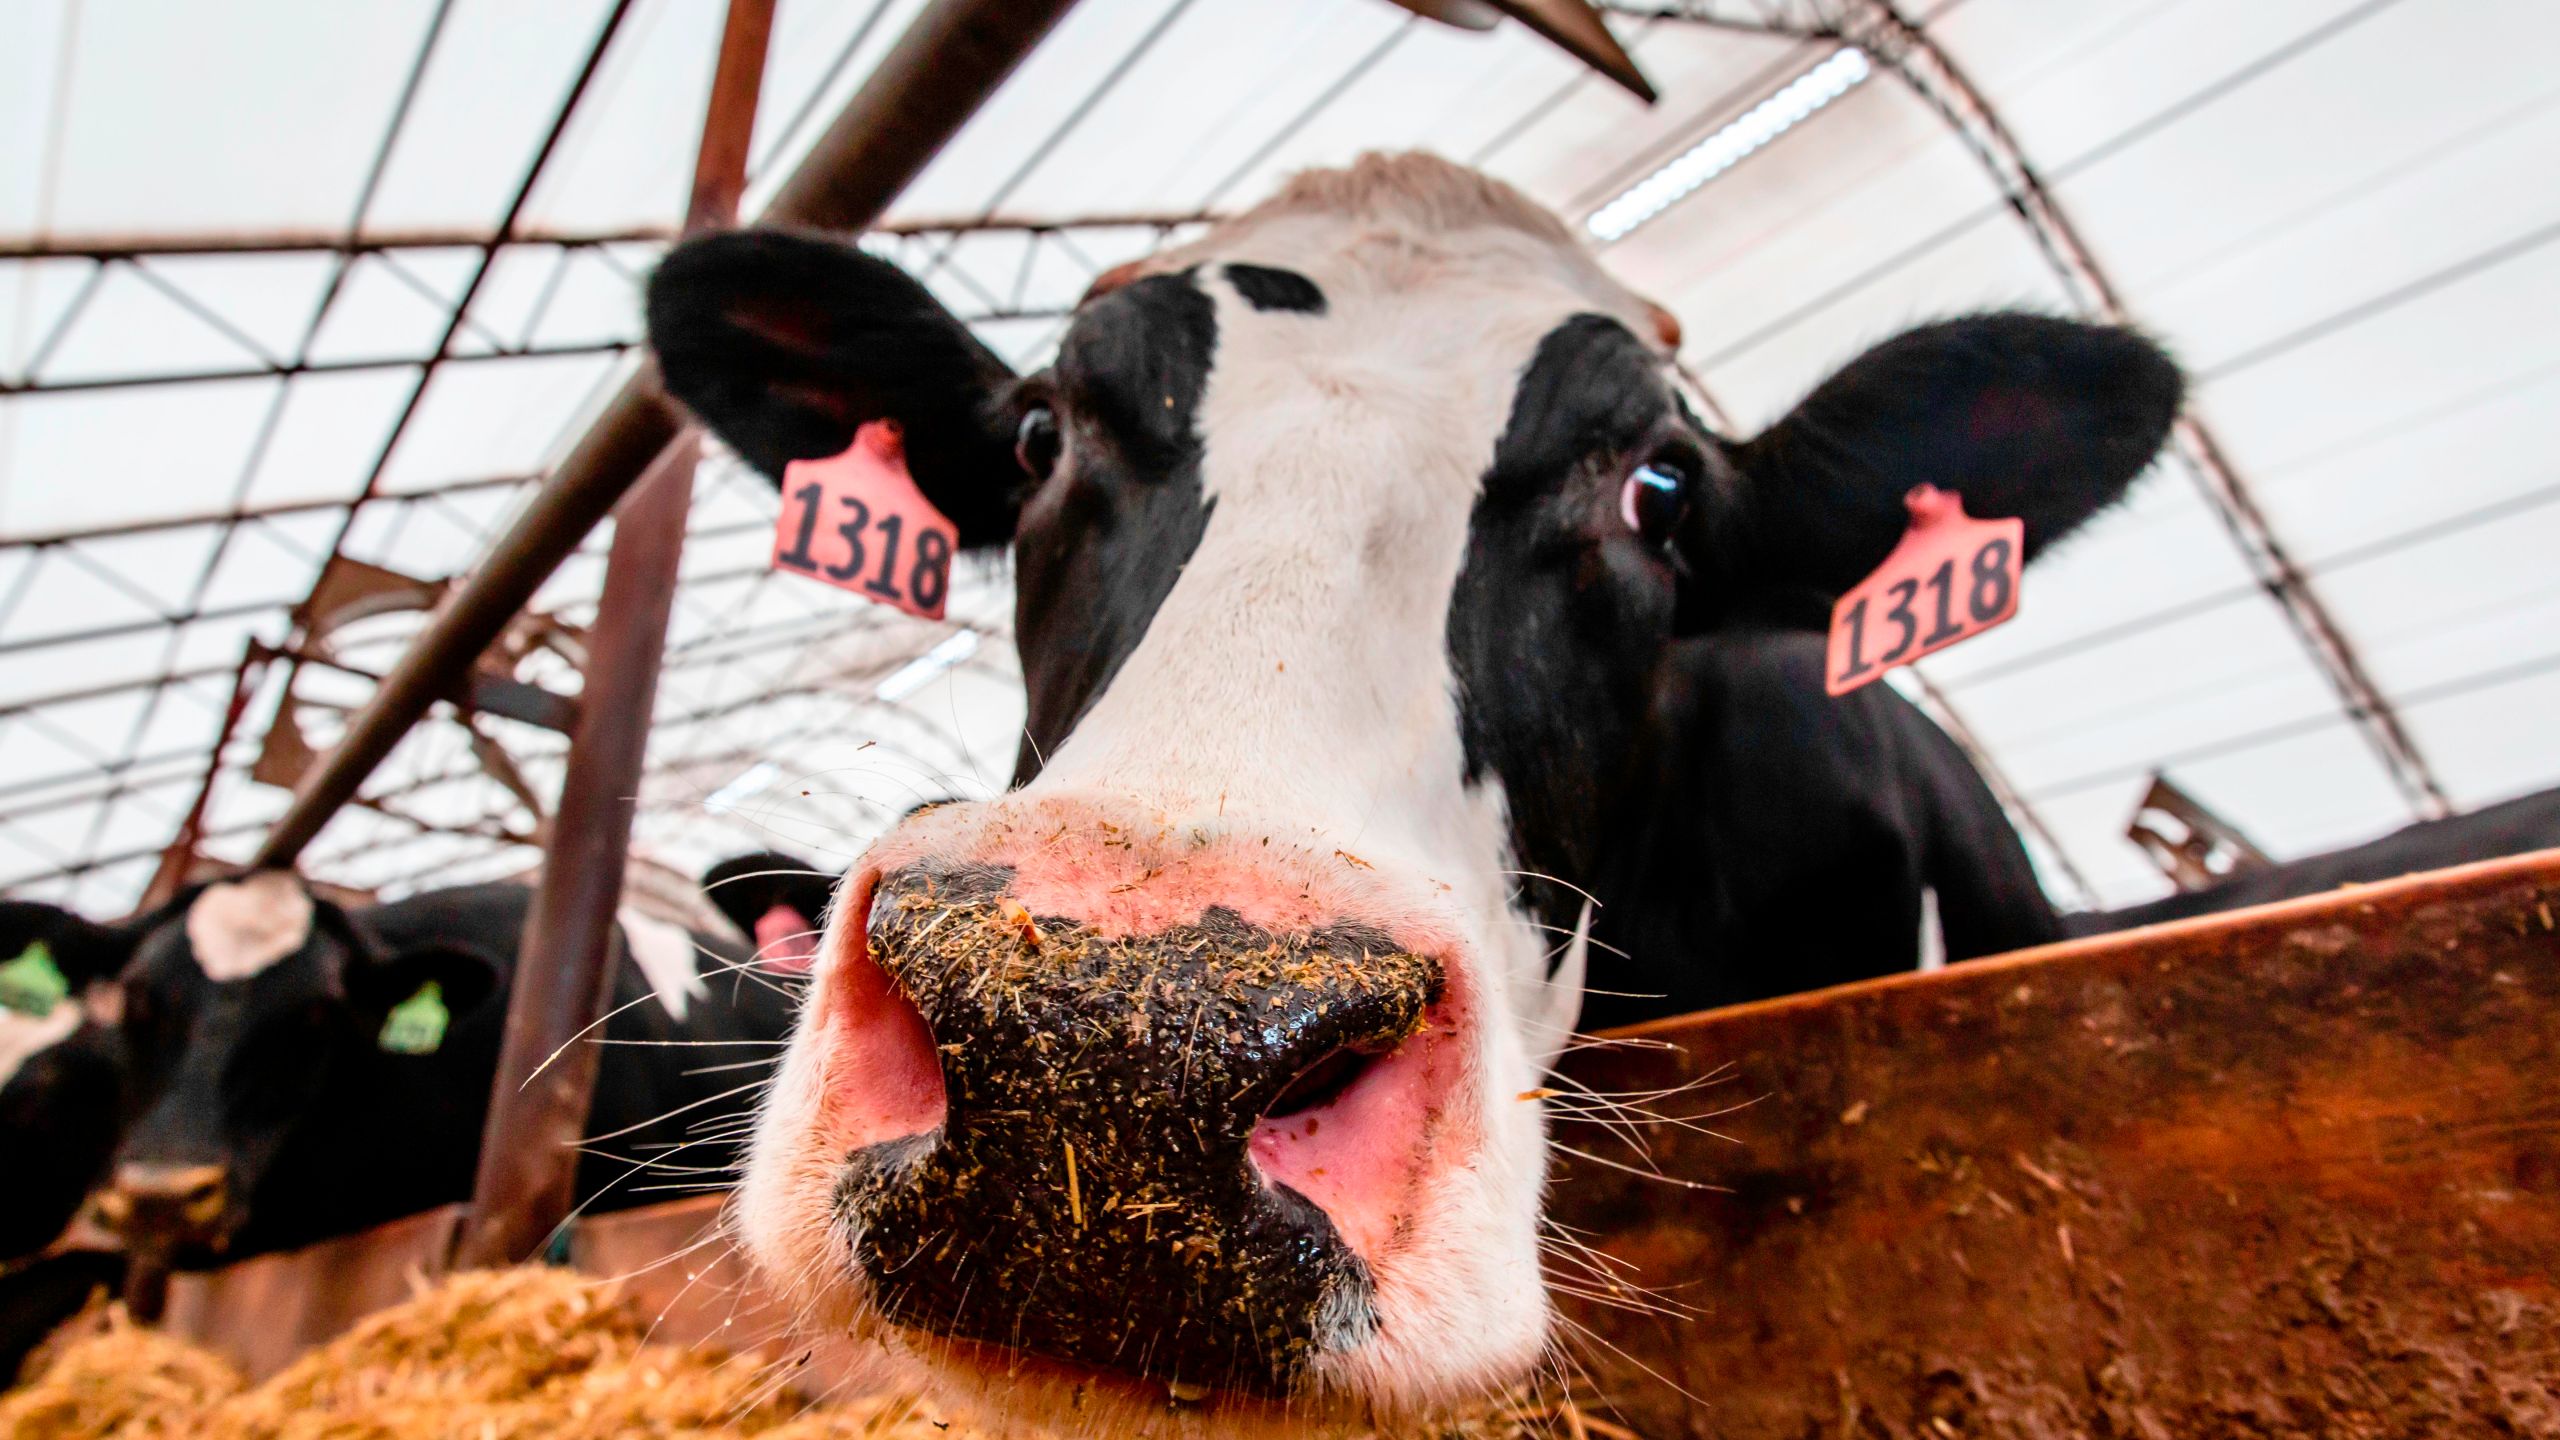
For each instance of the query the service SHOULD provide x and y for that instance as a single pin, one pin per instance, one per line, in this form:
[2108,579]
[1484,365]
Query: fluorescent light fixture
[1730,146]
[749,782]
[909,678]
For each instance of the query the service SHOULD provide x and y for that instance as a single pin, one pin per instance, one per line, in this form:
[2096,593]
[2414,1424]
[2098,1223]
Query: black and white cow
[1356,546]
[2511,827]
[271,1102]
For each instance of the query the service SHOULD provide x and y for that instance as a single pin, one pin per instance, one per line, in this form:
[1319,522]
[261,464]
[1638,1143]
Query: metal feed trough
[2287,1171]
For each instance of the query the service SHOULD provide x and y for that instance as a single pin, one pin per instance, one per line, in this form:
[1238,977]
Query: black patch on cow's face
[1101,543]
[1561,610]
[1266,288]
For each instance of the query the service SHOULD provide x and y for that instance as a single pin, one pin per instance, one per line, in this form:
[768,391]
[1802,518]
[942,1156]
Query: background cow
[1355,545]
[272,1101]
[61,1070]
[61,1094]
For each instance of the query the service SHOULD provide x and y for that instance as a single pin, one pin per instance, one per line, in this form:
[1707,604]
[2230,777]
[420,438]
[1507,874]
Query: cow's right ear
[786,344]
[2045,419]
[80,950]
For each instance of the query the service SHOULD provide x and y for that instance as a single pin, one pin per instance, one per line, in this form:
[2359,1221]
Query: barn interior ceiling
[294,291]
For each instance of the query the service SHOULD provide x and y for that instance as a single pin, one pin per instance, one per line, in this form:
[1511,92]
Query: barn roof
[294,289]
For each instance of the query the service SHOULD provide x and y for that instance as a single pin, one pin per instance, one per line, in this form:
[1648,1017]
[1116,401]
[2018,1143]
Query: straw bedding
[529,1354]
[525,1354]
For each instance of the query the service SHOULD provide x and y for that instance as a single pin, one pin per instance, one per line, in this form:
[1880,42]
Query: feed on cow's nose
[1105,1187]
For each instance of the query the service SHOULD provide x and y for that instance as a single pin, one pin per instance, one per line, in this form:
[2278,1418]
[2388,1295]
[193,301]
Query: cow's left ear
[463,977]
[78,949]
[381,976]
[786,344]
[2044,419]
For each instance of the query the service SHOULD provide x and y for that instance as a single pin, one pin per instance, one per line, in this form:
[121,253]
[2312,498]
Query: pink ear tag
[785,941]
[1950,579]
[858,522]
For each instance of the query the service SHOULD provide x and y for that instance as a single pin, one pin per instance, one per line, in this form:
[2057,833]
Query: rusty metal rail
[2292,1171]
[529,1142]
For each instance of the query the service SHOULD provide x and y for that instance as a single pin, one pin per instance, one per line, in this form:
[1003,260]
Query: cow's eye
[1035,442]
[1654,500]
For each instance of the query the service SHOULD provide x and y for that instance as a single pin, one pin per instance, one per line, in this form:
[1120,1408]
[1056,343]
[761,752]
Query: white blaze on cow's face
[238,928]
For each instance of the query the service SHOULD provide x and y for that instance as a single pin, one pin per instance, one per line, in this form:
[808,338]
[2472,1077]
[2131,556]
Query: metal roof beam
[1799,19]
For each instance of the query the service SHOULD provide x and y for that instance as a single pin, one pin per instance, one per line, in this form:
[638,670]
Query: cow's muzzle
[1108,1178]
[165,1215]
[166,1207]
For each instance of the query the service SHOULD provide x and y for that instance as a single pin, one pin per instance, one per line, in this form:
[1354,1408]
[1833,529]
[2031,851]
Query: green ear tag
[32,984]
[415,1026]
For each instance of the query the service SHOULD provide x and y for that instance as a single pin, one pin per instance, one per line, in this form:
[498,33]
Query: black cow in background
[61,1068]
[299,1070]
[61,1098]
[2512,827]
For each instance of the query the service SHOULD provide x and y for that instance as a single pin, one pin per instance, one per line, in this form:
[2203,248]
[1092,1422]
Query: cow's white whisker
[1588,1334]
[1638,1170]
[1588,898]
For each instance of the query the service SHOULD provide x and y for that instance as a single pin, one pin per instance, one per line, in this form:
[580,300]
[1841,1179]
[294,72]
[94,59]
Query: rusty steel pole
[546,1079]
[948,62]
[564,970]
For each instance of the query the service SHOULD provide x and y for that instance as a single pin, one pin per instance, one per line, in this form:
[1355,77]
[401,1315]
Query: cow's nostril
[1323,1082]
[892,1087]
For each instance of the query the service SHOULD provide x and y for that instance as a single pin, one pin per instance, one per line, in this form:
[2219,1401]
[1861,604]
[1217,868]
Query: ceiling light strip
[1681,176]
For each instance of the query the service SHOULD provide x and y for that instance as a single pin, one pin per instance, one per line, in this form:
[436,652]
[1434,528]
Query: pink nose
[1184,1143]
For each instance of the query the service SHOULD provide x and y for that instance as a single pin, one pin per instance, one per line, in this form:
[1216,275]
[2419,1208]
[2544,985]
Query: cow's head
[1346,542]
[241,1009]
[61,1066]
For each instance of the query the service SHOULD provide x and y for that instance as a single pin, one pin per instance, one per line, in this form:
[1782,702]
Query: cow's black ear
[745,887]
[463,976]
[785,344]
[2045,419]
[79,949]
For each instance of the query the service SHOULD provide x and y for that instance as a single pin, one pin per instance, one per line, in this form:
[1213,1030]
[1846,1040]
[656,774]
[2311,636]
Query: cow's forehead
[238,928]
[1412,231]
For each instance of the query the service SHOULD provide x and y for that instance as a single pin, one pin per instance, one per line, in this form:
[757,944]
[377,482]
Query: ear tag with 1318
[858,522]
[1951,578]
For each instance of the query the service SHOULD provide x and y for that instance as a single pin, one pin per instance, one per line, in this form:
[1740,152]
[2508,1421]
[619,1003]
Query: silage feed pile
[529,1354]
[525,1354]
